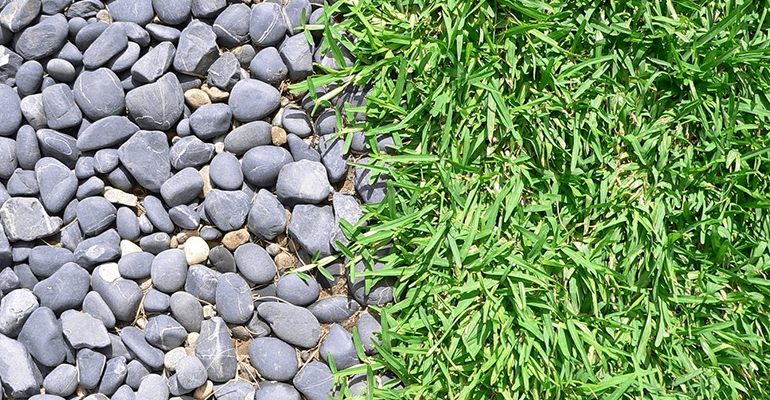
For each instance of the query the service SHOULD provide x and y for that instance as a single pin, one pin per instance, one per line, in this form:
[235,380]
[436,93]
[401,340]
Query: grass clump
[578,201]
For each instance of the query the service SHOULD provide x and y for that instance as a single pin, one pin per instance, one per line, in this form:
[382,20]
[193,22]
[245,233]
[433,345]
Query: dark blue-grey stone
[276,391]
[136,265]
[83,331]
[210,233]
[99,94]
[298,57]
[8,160]
[267,217]
[29,77]
[301,150]
[26,278]
[296,290]
[297,12]
[326,122]
[254,263]
[334,309]
[190,152]
[114,375]
[268,24]
[163,33]
[20,251]
[84,167]
[9,67]
[90,367]
[61,111]
[146,156]
[155,63]
[135,33]
[247,136]
[292,324]
[252,100]
[188,82]
[233,299]
[94,305]
[70,53]
[327,59]
[64,289]
[333,157]
[224,73]
[244,54]
[89,33]
[42,335]
[42,39]
[22,183]
[262,164]
[296,121]
[93,186]
[274,359]
[8,281]
[225,172]
[302,182]
[227,210]
[211,120]
[370,192]
[232,25]
[123,61]
[339,345]
[61,70]
[182,188]
[169,270]
[98,249]
[21,378]
[34,111]
[191,373]
[82,8]
[257,327]
[183,128]
[124,392]
[368,329]
[136,371]
[379,294]
[127,224]
[207,8]
[312,227]
[62,381]
[136,11]
[172,12]
[156,301]
[215,349]
[121,179]
[106,160]
[59,146]
[164,332]
[187,310]
[15,308]
[71,211]
[202,283]
[153,387]
[157,105]
[315,381]
[135,341]
[26,219]
[222,259]
[109,44]
[121,295]
[70,236]
[17,14]
[106,132]
[95,215]
[184,217]
[155,243]
[157,214]
[197,49]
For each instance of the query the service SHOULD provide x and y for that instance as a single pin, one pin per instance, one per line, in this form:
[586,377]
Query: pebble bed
[158,185]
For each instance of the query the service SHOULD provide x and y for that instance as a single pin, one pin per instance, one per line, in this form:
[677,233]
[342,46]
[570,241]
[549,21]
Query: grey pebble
[124,392]
[210,233]
[274,359]
[83,8]
[34,111]
[197,49]
[62,381]
[26,219]
[190,373]
[296,121]
[296,290]
[315,381]
[300,150]
[215,349]
[252,100]
[225,171]
[292,324]
[227,210]
[211,120]
[98,249]
[9,69]
[298,57]
[22,183]
[156,301]
[157,214]
[59,146]
[90,368]
[27,148]
[110,43]
[95,215]
[99,94]
[156,242]
[369,192]
[297,12]
[312,227]
[207,8]
[184,217]
[127,224]
[10,109]
[125,60]
[245,54]
[172,12]
[154,63]
[254,263]
[70,53]
[163,33]
[83,331]
[232,25]
[276,391]
[43,337]
[222,259]
[326,122]
[169,270]
[8,160]
[334,309]
[21,377]
[164,332]
[8,281]
[146,156]
[143,103]
[106,132]
[64,289]
[153,387]
[15,308]
[61,111]
[187,310]
[26,278]
[368,328]
[379,294]
[106,160]
[137,11]
[261,165]
[268,24]
[61,70]
[234,390]
[135,33]
[136,265]
[94,305]
[42,39]
[267,217]
[339,346]
[247,136]
[123,296]
[115,372]
[190,152]
[89,33]
[136,370]
[121,179]
[134,340]
[333,157]
[202,282]
[224,73]
[233,299]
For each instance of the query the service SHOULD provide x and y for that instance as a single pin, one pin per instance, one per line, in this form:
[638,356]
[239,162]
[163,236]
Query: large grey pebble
[156,301]
[90,367]
[106,160]
[302,182]
[333,157]
[146,156]
[136,265]
[125,60]
[211,120]
[29,76]
[136,370]
[127,224]
[172,12]
[115,372]
[207,8]
[225,171]
[61,70]
[182,188]
[292,324]
[135,341]
[163,33]
[298,57]
[155,63]
[27,148]
[109,44]
[153,387]
[65,289]
[227,210]
[157,214]
[184,217]
[296,121]
[252,100]
[296,290]
[247,136]
[33,110]
[190,152]
[190,373]
[301,150]
[312,227]
[61,111]
[26,219]
[157,105]
[62,381]
[21,378]
[123,296]
[232,25]
[15,308]
[268,66]
[224,73]
[339,346]
[164,332]
[95,215]
[155,243]
[59,146]
[233,299]
[95,306]
[222,259]
[197,49]
[315,381]
[370,192]
[261,165]
[98,249]
[368,328]
[254,263]
[99,94]
[169,270]
[109,131]
[17,14]
[268,24]
[10,109]
[42,39]
[187,310]
[89,33]
[83,8]
[202,283]
[334,309]
[83,331]
[267,217]
[215,349]
[136,11]
[276,391]
[274,359]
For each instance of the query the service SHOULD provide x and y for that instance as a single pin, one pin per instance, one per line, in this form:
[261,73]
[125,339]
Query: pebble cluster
[158,185]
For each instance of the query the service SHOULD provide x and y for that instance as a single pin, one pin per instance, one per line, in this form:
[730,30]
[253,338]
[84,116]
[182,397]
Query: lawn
[578,198]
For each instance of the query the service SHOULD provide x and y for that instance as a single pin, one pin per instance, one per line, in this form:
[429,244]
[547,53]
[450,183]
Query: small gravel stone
[187,310]
[225,172]
[196,98]
[315,381]
[339,346]
[143,103]
[83,331]
[202,282]
[252,100]
[169,270]
[90,367]
[254,263]
[146,156]
[127,224]
[134,340]
[215,349]
[98,249]
[62,381]
[64,289]
[292,324]
[222,259]
[94,305]
[61,70]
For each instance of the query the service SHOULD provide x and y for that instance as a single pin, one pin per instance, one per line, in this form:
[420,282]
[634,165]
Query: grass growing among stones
[578,198]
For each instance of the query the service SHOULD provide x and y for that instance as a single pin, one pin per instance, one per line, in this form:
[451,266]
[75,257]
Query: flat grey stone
[26,219]
[182,188]
[339,346]
[211,120]
[370,192]
[274,359]
[155,63]
[276,391]
[93,186]
[90,367]
[298,57]
[89,33]
[202,283]
[379,294]
[252,100]
[83,331]
[315,381]
[146,156]
[163,33]
[43,39]
[297,13]
[83,8]
[115,372]
[99,94]
[187,310]
[21,378]
[267,217]
[233,299]
[333,157]
[268,24]
[106,132]
[61,70]
[227,210]
[368,328]
[27,148]
[59,146]
[156,242]
[98,249]
[224,73]
[28,76]
[137,11]
[222,260]
[153,387]
[127,224]
[216,351]
[157,105]
[105,161]
[296,121]
[22,183]
[95,215]
[15,308]
[247,136]
[62,381]
[232,25]
[302,182]
[109,44]
[261,165]
[254,263]
[10,108]
[157,214]
[169,270]
[184,217]
[122,296]
[292,324]
[164,332]
[70,53]
[136,370]
[190,152]
[33,110]
[197,49]
[95,306]
[45,260]
[191,373]
[334,309]
[297,291]
[225,172]
[134,340]
[17,14]
[301,150]
[156,301]
[312,227]
[172,12]
[61,111]
[125,60]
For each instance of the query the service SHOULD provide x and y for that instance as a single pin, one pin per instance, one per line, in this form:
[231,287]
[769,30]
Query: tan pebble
[120,197]
[141,322]
[284,101]
[216,94]
[285,261]
[173,357]
[190,351]
[127,247]
[173,243]
[209,311]
[196,98]
[182,237]
[145,284]
[196,250]
[206,180]
[236,238]
[192,338]
[104,16]
[278,135]
[203,392]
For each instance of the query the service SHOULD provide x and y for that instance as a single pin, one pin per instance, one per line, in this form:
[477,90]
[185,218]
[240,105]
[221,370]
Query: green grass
[579,200]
